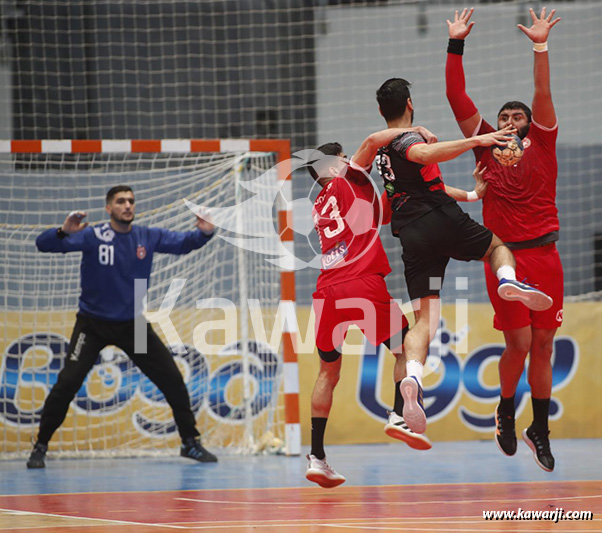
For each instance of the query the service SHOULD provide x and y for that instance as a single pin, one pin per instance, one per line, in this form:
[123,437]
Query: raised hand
[541,27]
[205,224]
[481,185]
[73,222]
[460,27]
[500,137]
[427,135]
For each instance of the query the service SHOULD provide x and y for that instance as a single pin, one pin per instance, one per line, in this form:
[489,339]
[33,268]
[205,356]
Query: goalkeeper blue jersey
[111,261]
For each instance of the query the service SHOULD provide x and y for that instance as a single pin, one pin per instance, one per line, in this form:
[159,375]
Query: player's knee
[517,350]
[542,350]
[329,356]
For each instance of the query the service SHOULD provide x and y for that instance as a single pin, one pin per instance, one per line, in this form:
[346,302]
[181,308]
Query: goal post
[243,389]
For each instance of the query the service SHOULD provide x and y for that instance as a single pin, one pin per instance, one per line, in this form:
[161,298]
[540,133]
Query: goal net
[306,71]
[234,374]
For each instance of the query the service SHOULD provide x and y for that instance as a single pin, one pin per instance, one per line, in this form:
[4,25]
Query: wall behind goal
[306,71]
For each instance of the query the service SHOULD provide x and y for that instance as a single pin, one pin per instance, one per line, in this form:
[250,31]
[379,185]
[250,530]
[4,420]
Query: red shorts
[365,302]
[543,270]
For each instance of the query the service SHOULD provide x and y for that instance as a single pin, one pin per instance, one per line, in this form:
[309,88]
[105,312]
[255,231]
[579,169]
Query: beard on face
[124,221]
[522,132]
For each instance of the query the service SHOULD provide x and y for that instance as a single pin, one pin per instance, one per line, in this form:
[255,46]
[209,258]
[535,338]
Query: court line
[363,502]
[311,487]
[27,513]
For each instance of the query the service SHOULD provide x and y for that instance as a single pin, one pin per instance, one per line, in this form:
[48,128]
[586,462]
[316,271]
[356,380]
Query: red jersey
[520,203]
[347,215]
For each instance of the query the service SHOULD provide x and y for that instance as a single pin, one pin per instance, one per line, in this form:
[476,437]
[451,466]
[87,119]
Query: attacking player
[351,287]
[520,207]
[114,255]
[432,229]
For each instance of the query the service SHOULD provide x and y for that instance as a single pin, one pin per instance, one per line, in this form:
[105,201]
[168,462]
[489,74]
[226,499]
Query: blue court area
[362,465]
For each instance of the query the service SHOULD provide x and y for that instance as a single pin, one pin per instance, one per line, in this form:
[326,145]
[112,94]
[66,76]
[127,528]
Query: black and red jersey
[412,189]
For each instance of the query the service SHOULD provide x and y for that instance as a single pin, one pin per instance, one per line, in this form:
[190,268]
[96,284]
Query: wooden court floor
[388,488]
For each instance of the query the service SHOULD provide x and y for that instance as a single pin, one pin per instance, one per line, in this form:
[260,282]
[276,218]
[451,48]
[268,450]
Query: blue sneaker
[534,299]
[413,408]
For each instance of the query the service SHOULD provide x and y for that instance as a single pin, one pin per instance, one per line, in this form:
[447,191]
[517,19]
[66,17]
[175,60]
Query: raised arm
[70,237]
[367,151]
[464,110]
[183,242]
[542,106]
[428,154]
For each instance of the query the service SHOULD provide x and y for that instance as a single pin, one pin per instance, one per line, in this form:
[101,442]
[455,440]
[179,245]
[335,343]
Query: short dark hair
[516,105]
[315,168]
[118,188]
[392,97]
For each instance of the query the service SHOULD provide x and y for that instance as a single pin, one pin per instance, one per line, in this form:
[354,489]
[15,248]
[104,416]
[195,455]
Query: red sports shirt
[346,215]
[520,203]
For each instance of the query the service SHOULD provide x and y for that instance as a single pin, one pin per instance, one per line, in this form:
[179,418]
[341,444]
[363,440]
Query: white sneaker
[512,290]
[398,429]
[320,472]
[413,410]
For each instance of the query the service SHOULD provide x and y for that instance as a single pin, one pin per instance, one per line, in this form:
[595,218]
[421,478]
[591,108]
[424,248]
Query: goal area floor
[389,488]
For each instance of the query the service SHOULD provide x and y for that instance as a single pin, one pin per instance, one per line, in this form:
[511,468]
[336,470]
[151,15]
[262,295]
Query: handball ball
[510,154]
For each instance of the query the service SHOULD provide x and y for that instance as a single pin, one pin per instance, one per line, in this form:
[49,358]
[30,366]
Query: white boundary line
[426,502]
[26,513]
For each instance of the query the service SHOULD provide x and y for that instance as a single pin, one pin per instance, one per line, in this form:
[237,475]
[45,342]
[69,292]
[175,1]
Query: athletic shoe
[505,434]
[192,448]
[413,409]
[398,429]
[540,446]
[38,454]
[534,299]
[320,472]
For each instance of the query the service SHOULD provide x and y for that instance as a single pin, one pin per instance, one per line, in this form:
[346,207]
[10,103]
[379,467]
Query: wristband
[540,47]
[60,233]
[472,196]
[455,46]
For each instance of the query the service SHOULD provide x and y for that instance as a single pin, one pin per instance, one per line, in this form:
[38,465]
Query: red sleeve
[545,136]
[455,88]
[387,211]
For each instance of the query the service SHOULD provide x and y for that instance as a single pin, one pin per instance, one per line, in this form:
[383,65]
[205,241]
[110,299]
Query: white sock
[506,272]
[414,368]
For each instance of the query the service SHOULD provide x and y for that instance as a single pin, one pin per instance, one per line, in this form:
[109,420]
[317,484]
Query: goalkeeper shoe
[320,472]
[38,454]
[192,448]
[398,429]
[534,299]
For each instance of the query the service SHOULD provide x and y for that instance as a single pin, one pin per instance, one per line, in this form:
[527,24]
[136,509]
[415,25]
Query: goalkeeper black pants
[90,335]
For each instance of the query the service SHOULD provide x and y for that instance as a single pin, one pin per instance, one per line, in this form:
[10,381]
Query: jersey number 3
[335,215]
[106,254]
